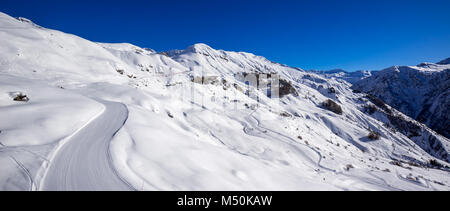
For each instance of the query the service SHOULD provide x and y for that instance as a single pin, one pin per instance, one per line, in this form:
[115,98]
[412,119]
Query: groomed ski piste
[120,117]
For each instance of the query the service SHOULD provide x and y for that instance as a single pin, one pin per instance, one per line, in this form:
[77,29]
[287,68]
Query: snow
[29,130]
[121,117]
[84,163]
[351,77]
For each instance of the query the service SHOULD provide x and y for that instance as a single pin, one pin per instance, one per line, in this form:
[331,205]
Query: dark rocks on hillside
[332,106]
[205,79]
[373,135]
[286,88]
[370,109]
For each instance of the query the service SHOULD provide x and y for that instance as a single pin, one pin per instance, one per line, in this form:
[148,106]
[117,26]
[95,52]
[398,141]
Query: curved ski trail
[84,162]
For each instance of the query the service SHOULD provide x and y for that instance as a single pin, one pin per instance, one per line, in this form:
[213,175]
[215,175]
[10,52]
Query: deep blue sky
[309,34]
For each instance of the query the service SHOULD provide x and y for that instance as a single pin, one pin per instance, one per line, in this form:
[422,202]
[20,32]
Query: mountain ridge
[420,92]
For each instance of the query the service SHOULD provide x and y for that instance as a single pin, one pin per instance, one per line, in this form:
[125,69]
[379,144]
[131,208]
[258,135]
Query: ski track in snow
[291,141]
[84,162]
[25,171]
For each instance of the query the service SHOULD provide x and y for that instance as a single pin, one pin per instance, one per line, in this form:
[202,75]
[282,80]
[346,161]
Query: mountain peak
[199,47]
[445,61]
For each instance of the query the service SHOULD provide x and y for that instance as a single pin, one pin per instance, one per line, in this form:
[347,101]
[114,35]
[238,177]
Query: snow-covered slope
[188,120]
[421,92]
[351,77]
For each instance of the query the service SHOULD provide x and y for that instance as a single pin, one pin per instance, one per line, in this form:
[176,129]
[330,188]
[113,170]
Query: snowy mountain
[351,77]
[444,62]
[421,92]
[79,115]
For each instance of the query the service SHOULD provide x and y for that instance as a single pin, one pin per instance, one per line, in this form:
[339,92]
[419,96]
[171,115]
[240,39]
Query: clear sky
[310,34]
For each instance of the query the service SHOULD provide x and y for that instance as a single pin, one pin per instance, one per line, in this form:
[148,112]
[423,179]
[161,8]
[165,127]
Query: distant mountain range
[351,77]
[421,92]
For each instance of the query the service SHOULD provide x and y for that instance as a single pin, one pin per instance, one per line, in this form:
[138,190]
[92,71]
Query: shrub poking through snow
[396,163]
[348,167]
[121,72]
[331,90]
[332,106]
[435,164]
[285,114]
[21,97]
[373,135]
